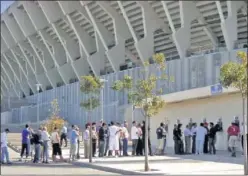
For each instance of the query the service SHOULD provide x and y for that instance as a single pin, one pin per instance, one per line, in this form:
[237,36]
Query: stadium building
[53,43]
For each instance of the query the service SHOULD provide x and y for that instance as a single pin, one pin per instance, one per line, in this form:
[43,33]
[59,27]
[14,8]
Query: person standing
[143,137]
[94,140]
[139,150]
[233,132]
[175,138]
[205,148]
[56,145]
[63,135]
[45,138]
[165,131]
[114,139]
[160,139]
[212,138]
[37,145]
[4,147]
[134,137]
[107,141]
[25,141]
[73,143]
[125,139]
[200,137]
[187,138]
[193,133]
[86,139]
[102,139]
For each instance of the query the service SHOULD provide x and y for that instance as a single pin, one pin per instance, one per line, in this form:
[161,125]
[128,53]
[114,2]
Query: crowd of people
[112,140]
[202,139]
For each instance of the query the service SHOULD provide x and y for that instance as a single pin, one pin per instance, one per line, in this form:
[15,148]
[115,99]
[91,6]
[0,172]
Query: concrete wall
[226,106]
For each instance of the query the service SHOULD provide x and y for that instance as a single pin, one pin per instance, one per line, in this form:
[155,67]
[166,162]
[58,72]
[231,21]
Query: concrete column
[91,49]
[14,69]
[105,36]
[151,23]
[229,25]
[117,54]
[11,79]
[181,37]
[40,22]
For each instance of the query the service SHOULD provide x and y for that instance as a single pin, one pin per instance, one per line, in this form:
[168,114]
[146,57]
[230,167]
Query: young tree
[234,74]
[91,86]
[54,120]
[145,94]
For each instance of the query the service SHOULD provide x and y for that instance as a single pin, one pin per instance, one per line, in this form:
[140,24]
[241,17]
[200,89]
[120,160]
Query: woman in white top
[56,145]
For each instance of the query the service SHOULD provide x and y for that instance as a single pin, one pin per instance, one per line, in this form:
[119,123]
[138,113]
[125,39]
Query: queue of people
[202,139]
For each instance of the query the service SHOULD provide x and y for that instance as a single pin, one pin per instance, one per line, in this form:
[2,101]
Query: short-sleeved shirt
[25,136]
[74,137]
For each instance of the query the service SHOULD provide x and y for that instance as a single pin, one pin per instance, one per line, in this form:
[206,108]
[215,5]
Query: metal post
[38,107]
[102,116]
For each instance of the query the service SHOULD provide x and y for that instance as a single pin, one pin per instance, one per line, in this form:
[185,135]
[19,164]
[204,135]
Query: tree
[234,74]
[145,94]
[91,86]
[54,119]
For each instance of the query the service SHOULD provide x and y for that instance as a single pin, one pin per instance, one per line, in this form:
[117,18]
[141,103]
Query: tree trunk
[245,124]
[147,168]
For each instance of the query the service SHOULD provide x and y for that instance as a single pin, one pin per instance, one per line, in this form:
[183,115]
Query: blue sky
[5,5]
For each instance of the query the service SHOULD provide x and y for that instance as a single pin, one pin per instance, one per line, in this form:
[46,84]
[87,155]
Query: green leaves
[144,93]
[91,85]
[234,74]
[91,103]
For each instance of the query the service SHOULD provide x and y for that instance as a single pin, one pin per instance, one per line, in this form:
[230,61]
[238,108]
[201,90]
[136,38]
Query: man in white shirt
[114,138]
[187,138]
[134,137]
[63,135]
[4,147]
[200,137]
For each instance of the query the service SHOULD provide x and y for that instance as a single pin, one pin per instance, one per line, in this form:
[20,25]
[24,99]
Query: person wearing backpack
[160,138]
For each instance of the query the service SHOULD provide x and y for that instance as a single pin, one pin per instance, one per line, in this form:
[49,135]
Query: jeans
[63,137]
[5,154]
[193,143]
[199,146]
[37,153]
[134,146]
[45,151]
[24,147]
[101,148]
[125,146]
[212,145]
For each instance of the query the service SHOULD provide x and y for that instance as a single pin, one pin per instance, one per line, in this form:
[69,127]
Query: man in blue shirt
[25,141]
[73,141]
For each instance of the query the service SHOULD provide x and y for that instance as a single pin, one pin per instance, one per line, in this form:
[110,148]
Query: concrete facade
[212,108]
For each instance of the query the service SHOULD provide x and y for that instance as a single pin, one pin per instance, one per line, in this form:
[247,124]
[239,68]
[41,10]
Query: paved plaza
[220,164]
[28,168]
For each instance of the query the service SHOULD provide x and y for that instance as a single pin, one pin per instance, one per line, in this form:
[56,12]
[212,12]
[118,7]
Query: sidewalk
[221,163]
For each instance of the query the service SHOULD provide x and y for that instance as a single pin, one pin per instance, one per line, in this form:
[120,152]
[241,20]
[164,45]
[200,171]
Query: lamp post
[38,108]
[102,81]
